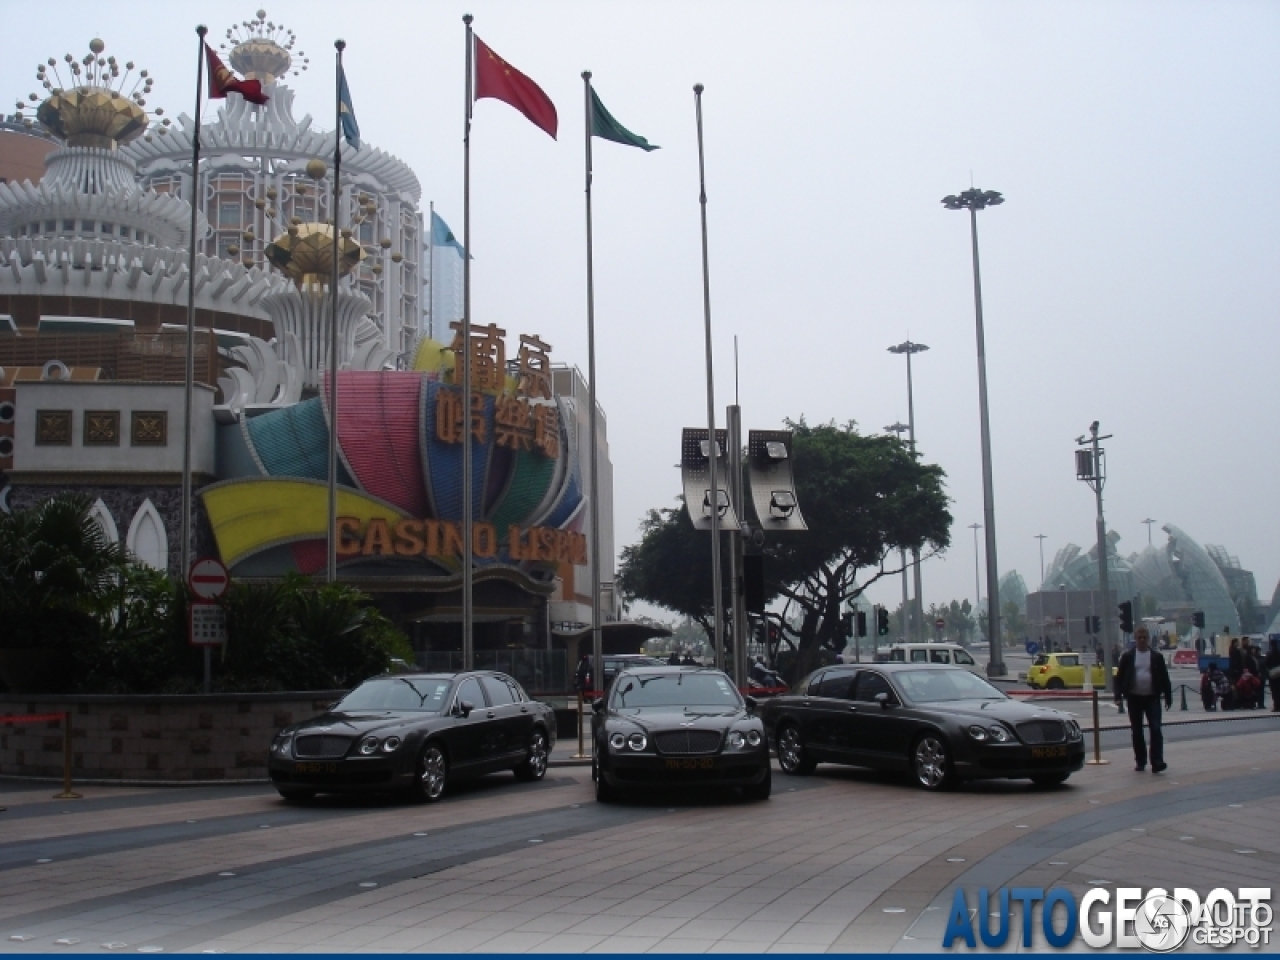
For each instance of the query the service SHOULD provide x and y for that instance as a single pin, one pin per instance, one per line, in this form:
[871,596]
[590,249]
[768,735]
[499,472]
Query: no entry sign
[208,579]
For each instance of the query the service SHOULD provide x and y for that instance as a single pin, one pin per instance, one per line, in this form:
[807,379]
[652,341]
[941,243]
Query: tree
[863,498]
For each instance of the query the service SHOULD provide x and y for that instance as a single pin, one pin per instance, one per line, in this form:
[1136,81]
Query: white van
[950,653]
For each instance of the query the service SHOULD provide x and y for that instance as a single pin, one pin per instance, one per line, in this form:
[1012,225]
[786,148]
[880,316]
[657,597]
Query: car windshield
[932,686]
[397,693]
[686,689]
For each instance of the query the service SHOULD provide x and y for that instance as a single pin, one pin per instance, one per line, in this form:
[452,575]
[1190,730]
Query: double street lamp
[974,200]
[908,618]
[908,348]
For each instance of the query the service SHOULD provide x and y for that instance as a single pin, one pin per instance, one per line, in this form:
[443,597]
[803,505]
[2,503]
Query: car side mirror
[885,701]
[465,707]
[597,705]
[751,702]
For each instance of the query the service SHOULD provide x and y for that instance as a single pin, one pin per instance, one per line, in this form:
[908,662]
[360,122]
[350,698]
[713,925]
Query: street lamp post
[974,200]
[908,619]
[1148,522]
[977,590]
[1040,537]
[907,347]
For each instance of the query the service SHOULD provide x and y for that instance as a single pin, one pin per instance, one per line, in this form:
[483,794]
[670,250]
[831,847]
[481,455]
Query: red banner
[31,717]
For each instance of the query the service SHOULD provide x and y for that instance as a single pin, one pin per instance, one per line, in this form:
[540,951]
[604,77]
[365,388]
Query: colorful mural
[400,447]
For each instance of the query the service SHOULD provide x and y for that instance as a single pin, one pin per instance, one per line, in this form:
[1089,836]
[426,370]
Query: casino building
[93,309]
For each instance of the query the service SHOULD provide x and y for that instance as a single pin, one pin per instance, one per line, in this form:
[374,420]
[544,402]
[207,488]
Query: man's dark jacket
[1160,684]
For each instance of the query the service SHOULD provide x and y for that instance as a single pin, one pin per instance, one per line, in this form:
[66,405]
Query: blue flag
[347,113]
[442,236]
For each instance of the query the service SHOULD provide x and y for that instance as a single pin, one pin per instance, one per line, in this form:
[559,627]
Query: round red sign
[208,579]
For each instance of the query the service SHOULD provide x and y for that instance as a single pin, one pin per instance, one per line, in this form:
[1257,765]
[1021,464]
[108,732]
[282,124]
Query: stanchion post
[1183,708]
[67,793]
[580,755]
[1097,736]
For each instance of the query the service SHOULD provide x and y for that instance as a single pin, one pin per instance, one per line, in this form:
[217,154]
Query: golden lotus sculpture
[92,117]
[304,253]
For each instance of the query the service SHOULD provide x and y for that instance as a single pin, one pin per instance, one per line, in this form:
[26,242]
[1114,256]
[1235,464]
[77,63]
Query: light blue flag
[442,236]
[347,113]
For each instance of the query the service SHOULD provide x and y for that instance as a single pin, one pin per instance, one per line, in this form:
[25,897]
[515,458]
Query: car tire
[931,762]
[791,753]
[761,790]
[535,766]
[294,795]
[1050,779]
[604,792]
[1055,683]
[430,775]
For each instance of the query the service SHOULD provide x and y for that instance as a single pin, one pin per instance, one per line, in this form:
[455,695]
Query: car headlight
[754,738]
[617,741]
[735,740]
[637,741]
[368,745]
[389,745]
[1073,730]
[282,744]
[977,732]
[999,734]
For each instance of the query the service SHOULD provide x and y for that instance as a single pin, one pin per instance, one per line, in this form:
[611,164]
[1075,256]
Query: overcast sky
[1131,276]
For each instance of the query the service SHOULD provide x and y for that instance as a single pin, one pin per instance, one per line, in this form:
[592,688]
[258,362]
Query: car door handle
[524,709]
[853,708]
[489,714]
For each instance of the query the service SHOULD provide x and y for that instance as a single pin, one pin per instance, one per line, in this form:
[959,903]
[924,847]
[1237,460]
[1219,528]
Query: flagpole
[331,572]
[597,640]
[716,599]
[184,563]
[468,651]
[431,273]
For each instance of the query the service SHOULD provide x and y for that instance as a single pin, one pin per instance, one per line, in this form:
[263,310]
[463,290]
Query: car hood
[651,719]
[359,723]
[1011,711]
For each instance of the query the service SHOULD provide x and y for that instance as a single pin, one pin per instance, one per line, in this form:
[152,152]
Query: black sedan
[414,734]
[677,727]
[940,723]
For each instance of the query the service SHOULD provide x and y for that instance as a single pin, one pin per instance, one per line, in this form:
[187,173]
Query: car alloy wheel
[791,752]
[931,762]
[433,774]
[535,767]
[1055,683]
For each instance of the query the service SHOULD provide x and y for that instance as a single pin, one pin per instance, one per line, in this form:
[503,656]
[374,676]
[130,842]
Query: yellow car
[1061,671]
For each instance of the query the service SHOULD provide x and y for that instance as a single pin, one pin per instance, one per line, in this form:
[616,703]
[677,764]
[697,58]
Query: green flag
[606,128]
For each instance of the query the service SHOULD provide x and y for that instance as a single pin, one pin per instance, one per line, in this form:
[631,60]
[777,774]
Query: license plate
[315,768]
[1041,753]
[707,763]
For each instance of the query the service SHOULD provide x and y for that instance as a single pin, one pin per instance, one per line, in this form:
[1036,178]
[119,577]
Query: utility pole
[1091,469]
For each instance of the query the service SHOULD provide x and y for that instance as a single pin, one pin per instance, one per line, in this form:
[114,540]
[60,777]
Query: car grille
[321,747]
[1042,731]
[687,741]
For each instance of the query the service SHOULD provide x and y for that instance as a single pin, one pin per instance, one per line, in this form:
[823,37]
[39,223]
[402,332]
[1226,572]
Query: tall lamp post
[977,590]
[974,200]
[908,348]
[1040,537]
[1148,522]
[908,618]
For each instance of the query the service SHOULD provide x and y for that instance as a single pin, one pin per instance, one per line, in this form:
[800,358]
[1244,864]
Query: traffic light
[1126,617]
[1097,625]
[882,622]
[846,624]
[1197,619]
[862,623]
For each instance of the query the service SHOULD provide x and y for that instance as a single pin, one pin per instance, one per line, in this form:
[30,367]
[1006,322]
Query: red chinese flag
[497,79]
[222,81]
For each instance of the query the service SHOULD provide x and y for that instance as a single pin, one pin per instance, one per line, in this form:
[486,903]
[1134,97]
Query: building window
[50,226]
[108,228]
[229,214]
[53,428]
[68,225]
[124,231]
[102,428]
[150,428]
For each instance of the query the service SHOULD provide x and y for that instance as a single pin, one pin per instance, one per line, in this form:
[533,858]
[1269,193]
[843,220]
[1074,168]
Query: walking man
[1143,679]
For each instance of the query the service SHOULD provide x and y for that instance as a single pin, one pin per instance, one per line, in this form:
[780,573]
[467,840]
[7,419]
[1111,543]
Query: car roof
[651,670]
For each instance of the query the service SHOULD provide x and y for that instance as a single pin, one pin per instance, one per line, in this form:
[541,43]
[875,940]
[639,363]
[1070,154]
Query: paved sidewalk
[844,860]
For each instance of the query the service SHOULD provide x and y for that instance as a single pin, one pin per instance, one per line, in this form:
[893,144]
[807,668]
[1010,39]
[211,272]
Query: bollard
[1097,736]
[580,755]
[1184,697]
[67,793]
